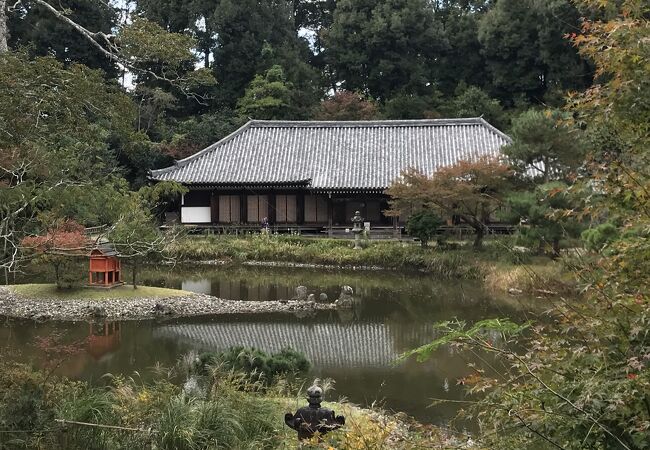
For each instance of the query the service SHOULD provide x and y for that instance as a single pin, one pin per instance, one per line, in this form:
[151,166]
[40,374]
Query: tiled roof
[324,344]
[363,155]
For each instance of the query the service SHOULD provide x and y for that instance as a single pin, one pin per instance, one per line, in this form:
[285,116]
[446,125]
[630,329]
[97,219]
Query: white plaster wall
[195,214]
[201,286]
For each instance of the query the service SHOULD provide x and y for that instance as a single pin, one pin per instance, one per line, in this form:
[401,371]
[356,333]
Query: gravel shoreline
[15,305]
[222,262]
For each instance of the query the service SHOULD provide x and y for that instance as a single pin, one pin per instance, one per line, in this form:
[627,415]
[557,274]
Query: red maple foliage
[470,190]
[346,105]
[67,236]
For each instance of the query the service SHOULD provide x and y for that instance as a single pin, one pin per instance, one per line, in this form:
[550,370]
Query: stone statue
[301,293]
[346,299]
[311,419]
[357,229]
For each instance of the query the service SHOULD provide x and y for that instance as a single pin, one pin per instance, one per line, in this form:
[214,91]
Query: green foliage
[253,36]
[35,28]
[462,61]
[474,102]
[163,55]
[267,97]
[458,332]
[542,215]
[544,146]
[459,264]
[597,238]
[257,364]
[135,234]
[185,137]
[383,47]
[156,414]
[423,225]
[413,106]
[525,50]
[582,380]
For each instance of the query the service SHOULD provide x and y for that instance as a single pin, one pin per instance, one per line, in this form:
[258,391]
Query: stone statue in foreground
[312,419]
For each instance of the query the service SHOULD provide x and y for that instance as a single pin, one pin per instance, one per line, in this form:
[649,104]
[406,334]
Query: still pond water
[357,348]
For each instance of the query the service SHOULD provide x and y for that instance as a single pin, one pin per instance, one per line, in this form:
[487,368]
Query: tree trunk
[4,29]
[478,240]
[556,247]
[135,270]
[56,271]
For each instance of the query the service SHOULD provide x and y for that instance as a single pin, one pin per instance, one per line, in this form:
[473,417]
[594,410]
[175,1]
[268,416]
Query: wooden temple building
[313,176]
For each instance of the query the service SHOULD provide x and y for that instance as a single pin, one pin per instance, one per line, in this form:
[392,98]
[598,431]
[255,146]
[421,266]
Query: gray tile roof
[324,344]
[365,155]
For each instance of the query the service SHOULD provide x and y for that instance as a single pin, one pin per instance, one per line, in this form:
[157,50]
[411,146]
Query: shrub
[597,238]
[257,363]
[423,225]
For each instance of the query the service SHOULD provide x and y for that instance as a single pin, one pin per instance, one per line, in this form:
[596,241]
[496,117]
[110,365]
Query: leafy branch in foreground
[581,378]
[137,46]
[481,333]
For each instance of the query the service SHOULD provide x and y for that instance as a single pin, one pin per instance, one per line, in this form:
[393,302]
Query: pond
[357,348]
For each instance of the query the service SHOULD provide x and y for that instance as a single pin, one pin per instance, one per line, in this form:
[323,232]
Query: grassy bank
[541,277]
[335,252]
[41,411]
[50,291]
[498,263]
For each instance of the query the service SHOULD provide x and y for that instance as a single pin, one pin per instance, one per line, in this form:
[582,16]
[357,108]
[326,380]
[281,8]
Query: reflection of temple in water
[103,339]
[324,344]
[237,289]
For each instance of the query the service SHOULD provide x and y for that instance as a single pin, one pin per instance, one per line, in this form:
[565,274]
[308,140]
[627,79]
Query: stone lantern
[357,229]
[312,419]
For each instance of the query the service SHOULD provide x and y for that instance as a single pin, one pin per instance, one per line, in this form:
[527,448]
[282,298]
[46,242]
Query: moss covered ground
[50,291]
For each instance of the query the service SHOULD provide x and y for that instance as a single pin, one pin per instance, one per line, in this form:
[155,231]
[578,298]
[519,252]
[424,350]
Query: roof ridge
[495,130]
[182,162]
[366,123]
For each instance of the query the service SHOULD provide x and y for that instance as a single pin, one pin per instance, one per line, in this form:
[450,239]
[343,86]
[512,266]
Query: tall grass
[237,413]
[155,415]
[335,252]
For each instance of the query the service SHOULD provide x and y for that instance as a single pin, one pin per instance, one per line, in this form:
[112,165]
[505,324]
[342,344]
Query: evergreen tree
[173,15]
[462,60]
[382,47]
[474,102]
[34,27]
[526,51]
[267,97]
[540,213]
[545,146]
[412,106]
[248,32]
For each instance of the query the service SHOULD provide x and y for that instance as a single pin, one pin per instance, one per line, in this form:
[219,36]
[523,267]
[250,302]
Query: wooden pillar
[272,208]
[105,278]
[214,207]
[330,214]
[243,208]
[90,278]
[300,208]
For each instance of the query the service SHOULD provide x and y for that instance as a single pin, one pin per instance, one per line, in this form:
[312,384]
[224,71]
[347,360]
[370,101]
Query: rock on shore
[15,305]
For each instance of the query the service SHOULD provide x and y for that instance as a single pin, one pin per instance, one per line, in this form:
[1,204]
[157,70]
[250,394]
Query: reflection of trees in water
[415,295]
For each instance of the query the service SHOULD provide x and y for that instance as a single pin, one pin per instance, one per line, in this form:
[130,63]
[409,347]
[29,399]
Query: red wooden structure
[103,339]
[105,267]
